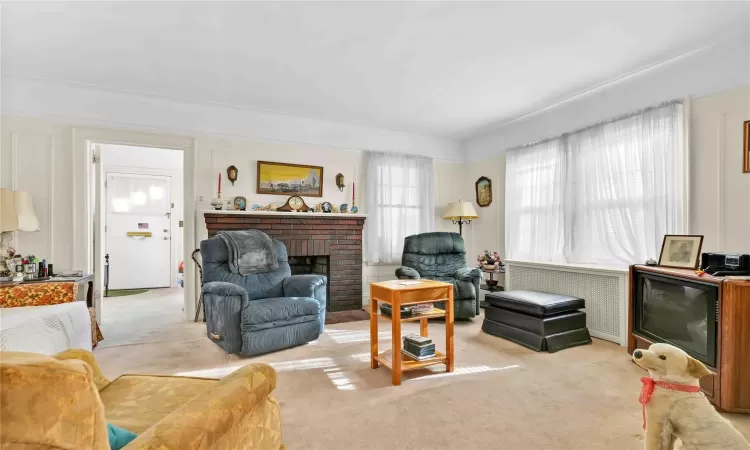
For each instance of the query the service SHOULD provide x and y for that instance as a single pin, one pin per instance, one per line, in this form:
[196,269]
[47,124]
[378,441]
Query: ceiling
[443,69]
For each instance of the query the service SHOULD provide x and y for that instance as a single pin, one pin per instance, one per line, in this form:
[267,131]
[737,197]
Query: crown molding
[78,104]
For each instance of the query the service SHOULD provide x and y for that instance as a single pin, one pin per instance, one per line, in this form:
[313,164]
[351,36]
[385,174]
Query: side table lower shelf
[408,363]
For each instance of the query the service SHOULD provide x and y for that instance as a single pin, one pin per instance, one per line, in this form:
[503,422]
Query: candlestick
[220,184]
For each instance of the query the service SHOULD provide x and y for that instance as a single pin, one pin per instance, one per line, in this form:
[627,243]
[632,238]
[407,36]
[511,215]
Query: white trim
[14,160]
[73,103]
[687,154]
[14,174]
[720,182]
[582,268]
[83,138]
[51,199]
[285,213]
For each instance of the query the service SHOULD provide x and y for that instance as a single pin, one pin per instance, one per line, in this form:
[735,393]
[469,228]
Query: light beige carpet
[501,396]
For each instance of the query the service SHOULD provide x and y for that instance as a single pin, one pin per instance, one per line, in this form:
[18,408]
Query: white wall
[720,192]
[152,161]
[94,107]
[488,231]
[704,72]
[31,145]
[711,76]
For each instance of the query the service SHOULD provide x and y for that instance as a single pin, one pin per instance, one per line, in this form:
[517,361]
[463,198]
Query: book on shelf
[420,352]
[407,311]
[417,339]
[415,357]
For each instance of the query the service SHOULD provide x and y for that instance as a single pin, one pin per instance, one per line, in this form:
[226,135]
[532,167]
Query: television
[684,313]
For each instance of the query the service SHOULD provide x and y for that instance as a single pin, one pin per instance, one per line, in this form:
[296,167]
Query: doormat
[346,316]
[125,292]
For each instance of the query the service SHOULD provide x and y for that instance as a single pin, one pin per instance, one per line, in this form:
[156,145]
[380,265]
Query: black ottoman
[538,320]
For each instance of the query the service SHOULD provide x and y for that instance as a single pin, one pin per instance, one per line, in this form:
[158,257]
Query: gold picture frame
[680,251]
[483,191]
[289,179]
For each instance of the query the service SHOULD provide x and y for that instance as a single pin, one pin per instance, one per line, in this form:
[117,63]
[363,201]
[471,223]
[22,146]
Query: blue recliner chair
[442,257]
[261,312]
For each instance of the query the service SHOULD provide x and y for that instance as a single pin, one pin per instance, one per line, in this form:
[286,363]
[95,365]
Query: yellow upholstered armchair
[65,402]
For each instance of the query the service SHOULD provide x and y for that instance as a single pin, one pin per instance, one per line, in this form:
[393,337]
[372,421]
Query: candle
[219,182]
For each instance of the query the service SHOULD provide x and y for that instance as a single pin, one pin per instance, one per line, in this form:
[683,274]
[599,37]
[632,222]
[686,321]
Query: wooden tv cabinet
[729,387]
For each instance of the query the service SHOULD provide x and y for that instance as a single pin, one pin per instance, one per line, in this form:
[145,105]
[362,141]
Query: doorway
[138,223]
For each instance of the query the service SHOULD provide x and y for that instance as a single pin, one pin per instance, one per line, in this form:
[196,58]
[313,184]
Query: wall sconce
[232,174]
[340,182]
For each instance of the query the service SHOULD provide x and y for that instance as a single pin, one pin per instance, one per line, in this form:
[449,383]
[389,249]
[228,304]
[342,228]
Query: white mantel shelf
[285,214]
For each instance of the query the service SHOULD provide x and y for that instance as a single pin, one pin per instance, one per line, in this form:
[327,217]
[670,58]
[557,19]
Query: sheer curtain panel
[603,195]
[399,203]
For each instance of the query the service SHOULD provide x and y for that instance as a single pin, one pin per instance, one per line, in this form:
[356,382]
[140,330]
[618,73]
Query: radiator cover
[605,292]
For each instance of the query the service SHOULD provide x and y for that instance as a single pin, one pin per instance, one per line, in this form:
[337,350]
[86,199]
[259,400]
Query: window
[398,199]
[603,195]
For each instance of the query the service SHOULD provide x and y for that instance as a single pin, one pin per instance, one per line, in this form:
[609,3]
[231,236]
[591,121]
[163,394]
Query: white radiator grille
[605,293]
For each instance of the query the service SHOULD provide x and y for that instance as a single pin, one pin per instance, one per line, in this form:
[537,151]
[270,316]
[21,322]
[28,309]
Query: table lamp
[16,214]
[460,213]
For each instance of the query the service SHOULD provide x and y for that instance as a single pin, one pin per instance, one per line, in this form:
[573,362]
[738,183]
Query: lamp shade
[464,210]
[17,211]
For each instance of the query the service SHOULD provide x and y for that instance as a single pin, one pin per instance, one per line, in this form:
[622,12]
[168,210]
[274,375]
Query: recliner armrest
[224,289]
[407,273]
[468,274]
[304,285]
[308,286]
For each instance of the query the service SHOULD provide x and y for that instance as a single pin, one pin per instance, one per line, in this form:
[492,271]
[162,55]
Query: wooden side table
[398,294]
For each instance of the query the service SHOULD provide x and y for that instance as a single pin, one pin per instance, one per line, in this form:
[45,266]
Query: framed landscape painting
[289,179]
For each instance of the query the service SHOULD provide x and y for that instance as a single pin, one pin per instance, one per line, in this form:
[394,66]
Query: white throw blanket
[45,329]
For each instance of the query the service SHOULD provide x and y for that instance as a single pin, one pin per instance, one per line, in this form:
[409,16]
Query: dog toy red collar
[648,389]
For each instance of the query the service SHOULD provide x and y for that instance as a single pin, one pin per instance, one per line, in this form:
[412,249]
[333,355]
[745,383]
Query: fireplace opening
[315,265]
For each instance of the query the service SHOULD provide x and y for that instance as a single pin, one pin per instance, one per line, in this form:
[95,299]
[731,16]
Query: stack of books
[422,308]
[407,311]
[418,347]
[387,310]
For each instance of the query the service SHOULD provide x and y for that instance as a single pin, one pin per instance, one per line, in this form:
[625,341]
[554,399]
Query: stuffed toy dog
[674,406]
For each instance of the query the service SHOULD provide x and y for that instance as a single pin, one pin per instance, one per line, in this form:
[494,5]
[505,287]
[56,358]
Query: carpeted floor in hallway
[501,395]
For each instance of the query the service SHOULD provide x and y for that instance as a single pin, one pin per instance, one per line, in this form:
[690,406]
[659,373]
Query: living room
[340,129]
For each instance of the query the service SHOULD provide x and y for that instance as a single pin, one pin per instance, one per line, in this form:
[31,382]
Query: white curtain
[604,195]
[399,196]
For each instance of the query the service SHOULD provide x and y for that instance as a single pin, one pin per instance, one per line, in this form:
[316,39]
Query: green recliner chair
[442,257]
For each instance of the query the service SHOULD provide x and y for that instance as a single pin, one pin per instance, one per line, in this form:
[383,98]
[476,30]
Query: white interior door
[138,204]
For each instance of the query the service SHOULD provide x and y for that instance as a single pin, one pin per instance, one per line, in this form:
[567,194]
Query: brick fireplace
[317,243]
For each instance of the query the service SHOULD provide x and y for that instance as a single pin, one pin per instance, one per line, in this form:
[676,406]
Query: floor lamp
[460,213]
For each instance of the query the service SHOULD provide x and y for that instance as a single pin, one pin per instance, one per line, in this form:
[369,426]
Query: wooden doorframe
[84,140]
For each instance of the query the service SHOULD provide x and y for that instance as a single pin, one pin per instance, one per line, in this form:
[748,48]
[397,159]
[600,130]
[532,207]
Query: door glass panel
[138,195]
